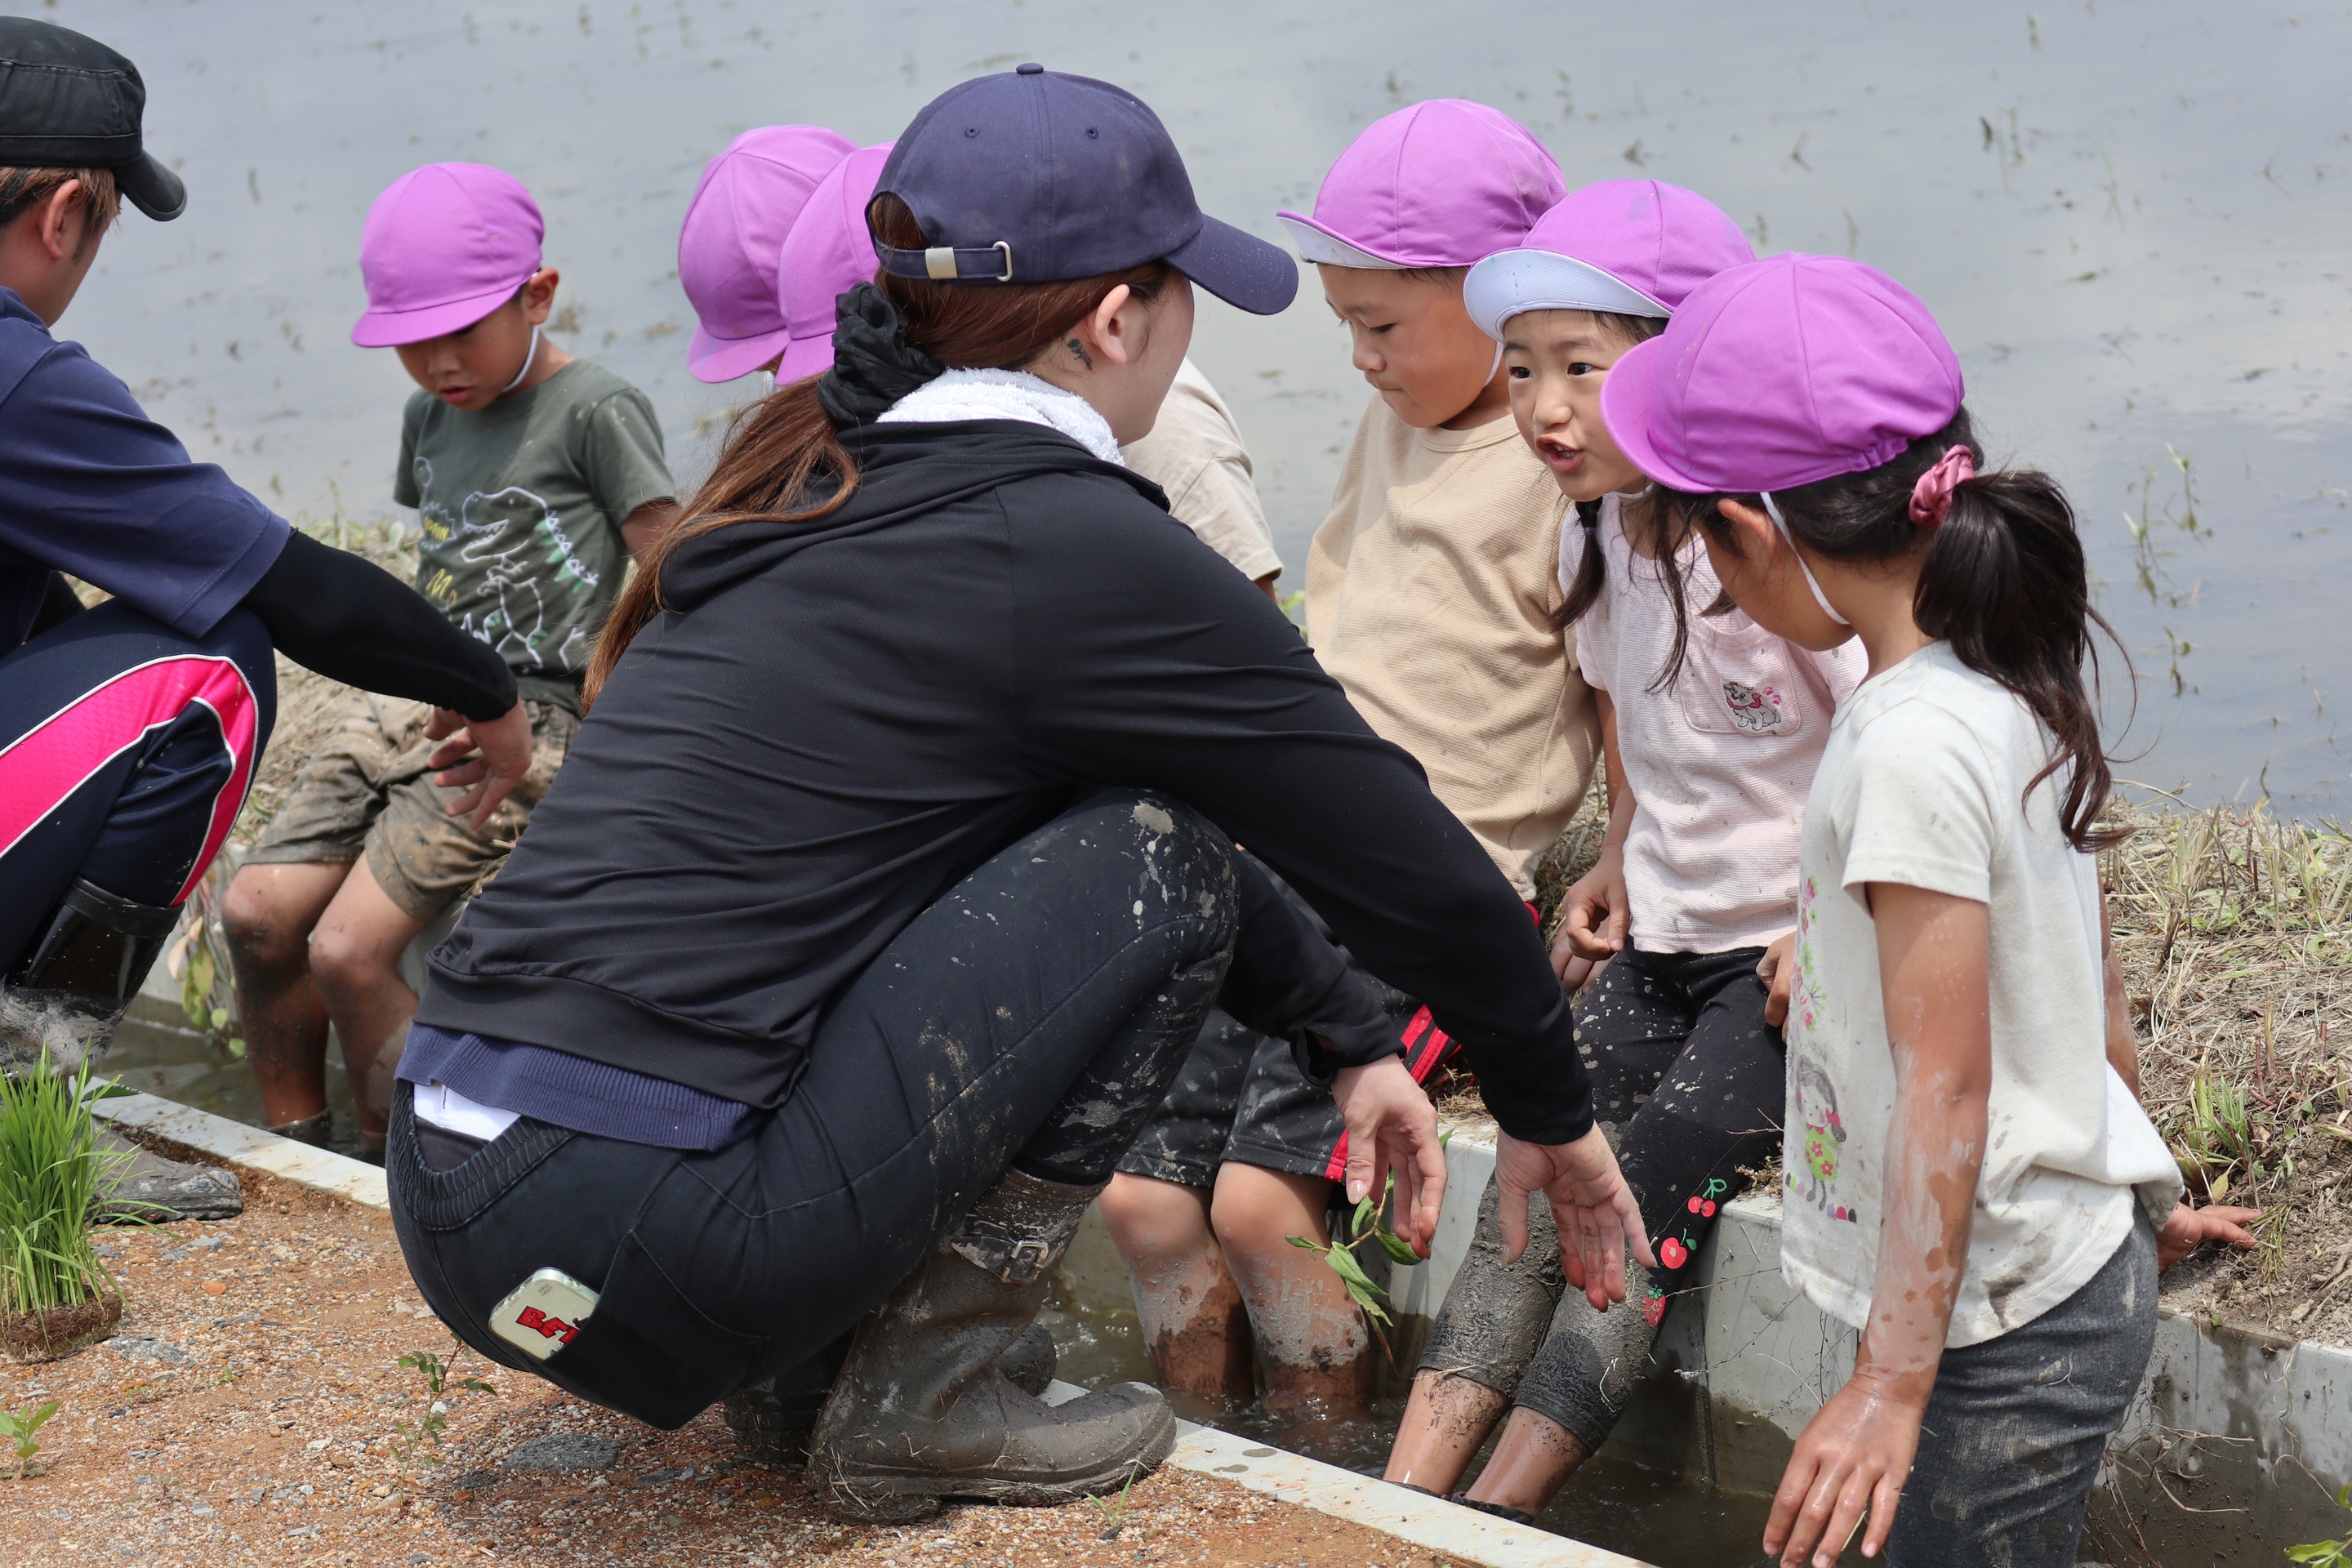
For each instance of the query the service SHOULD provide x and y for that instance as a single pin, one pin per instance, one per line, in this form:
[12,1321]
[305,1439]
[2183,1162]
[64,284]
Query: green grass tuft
[52,1171]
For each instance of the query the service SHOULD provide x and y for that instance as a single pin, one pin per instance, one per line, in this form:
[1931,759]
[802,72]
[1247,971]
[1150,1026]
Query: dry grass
[2235,931]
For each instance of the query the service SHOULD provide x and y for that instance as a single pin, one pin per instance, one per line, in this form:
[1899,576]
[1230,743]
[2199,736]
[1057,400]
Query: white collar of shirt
[1006,394]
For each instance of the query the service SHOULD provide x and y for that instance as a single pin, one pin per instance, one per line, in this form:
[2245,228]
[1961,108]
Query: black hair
[2003,581]
[1592,567]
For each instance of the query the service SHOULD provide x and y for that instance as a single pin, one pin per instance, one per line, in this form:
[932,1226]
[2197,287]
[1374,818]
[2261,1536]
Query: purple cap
[1630,248]
[748,200]
[1781,372]
[1032,175]
[444,246]
[1446,183]
[829,252]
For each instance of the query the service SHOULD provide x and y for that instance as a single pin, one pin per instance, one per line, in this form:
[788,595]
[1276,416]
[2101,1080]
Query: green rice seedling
[2325,1553]
[52,1172]
[18,1426]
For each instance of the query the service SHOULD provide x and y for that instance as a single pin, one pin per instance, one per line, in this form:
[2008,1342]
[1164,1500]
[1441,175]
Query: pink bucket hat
[444,246]
[829,252]
[1630,248]
[1781,372]
[747,200]
[1446,183]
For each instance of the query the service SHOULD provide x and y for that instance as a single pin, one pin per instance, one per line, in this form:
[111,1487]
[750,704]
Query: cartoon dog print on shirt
[1755,709]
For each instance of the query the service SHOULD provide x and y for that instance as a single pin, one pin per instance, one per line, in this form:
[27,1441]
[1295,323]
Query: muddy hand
[502,748]
[1778,970]
[2188,1229]
[1590,1205]
[1850,1463]
[1392,1127]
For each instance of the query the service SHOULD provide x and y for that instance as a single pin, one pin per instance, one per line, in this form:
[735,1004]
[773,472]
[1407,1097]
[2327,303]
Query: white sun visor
[1321,246]
[1513,282]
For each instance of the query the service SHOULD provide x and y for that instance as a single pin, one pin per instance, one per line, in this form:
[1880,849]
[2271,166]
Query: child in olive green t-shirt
[535,477]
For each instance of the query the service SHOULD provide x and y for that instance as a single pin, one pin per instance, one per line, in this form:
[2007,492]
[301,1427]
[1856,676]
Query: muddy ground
[252,1411]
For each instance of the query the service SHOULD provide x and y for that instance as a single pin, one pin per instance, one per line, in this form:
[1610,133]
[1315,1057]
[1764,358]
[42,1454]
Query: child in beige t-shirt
[1431,597]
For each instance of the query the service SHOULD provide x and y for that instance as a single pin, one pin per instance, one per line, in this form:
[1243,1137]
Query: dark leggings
[126,750]
[1689,1074]
[1034,1018]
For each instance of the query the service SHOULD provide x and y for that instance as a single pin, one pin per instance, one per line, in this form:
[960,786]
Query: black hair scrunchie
[873,365]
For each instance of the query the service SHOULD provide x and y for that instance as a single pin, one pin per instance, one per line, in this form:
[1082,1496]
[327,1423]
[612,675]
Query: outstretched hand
[1590,1205]
[1392,1127]
[2188,1229]
[500,756]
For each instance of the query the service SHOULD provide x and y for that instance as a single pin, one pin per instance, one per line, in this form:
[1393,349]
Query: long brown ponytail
[784,461]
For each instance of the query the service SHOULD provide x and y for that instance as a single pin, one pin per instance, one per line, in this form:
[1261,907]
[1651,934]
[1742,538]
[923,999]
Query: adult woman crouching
[884,892]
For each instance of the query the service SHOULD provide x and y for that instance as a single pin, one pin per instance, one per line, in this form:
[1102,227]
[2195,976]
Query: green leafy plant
[18,1426]
[52,1171]
[1366,1224]
[198,959]
[2213,1137]
[439,1375]
[2326,1553]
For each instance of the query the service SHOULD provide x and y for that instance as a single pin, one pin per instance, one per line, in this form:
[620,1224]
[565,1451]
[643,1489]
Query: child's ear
[1753,535]
[539,295]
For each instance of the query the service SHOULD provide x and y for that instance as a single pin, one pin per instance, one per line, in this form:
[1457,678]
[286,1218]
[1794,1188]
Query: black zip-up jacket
[835,722]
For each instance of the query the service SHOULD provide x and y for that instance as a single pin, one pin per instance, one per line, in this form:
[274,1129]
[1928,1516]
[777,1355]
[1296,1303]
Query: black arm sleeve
[353,621]
[1288,981]
[59,605]
[1162,664]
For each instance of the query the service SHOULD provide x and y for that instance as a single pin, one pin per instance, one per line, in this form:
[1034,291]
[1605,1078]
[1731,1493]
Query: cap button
[1032,69]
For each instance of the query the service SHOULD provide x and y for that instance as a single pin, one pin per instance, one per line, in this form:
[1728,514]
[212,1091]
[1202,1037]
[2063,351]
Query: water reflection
[2131,220]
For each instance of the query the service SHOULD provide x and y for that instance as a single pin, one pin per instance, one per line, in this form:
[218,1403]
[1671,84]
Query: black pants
[1034,1018]
[126,750]
[1686,1068]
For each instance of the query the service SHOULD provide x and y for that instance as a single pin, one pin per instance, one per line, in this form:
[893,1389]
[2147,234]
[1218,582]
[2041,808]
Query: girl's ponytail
[2003,581]
[2006,584]
[1592,569]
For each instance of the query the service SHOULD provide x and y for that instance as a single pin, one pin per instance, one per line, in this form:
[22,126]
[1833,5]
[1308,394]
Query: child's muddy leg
[267,916]
[1494,1320]
[1534,1459]
[1312,1343]
[1575,1388]
[1445,1418]
[1194,1324]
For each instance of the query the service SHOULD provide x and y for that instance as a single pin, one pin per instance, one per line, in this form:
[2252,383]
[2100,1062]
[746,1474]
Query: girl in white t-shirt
[1970,1179]
[1713,727]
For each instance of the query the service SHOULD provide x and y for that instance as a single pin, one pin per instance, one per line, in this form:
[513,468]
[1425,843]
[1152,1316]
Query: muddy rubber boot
[775,1418]
[920,1412]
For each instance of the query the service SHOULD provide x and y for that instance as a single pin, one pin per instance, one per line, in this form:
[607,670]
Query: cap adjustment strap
[950,264]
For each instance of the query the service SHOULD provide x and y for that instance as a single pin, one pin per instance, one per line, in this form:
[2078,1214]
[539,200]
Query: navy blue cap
[1033,176]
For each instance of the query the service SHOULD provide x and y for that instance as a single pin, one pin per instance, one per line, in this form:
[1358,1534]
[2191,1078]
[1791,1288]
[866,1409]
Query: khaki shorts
[367,791]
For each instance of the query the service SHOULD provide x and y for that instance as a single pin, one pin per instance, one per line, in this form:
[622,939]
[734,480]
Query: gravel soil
[252,1411]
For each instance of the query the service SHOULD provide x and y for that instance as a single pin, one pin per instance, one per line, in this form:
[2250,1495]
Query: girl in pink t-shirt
[1713,727]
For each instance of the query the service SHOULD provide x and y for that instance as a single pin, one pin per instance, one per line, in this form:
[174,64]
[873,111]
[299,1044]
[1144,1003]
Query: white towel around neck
[1006,394]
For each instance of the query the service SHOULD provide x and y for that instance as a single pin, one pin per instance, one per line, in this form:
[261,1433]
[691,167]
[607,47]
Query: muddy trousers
[2014,1432]
[1032,1017]
[126,750]
[1687,1075]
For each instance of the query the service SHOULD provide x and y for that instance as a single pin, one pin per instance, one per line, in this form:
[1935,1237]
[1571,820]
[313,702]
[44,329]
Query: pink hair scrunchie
[1931,498]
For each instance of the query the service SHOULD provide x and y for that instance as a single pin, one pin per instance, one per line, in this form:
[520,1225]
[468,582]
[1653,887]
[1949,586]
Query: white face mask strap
[1773,512]
[528,361]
